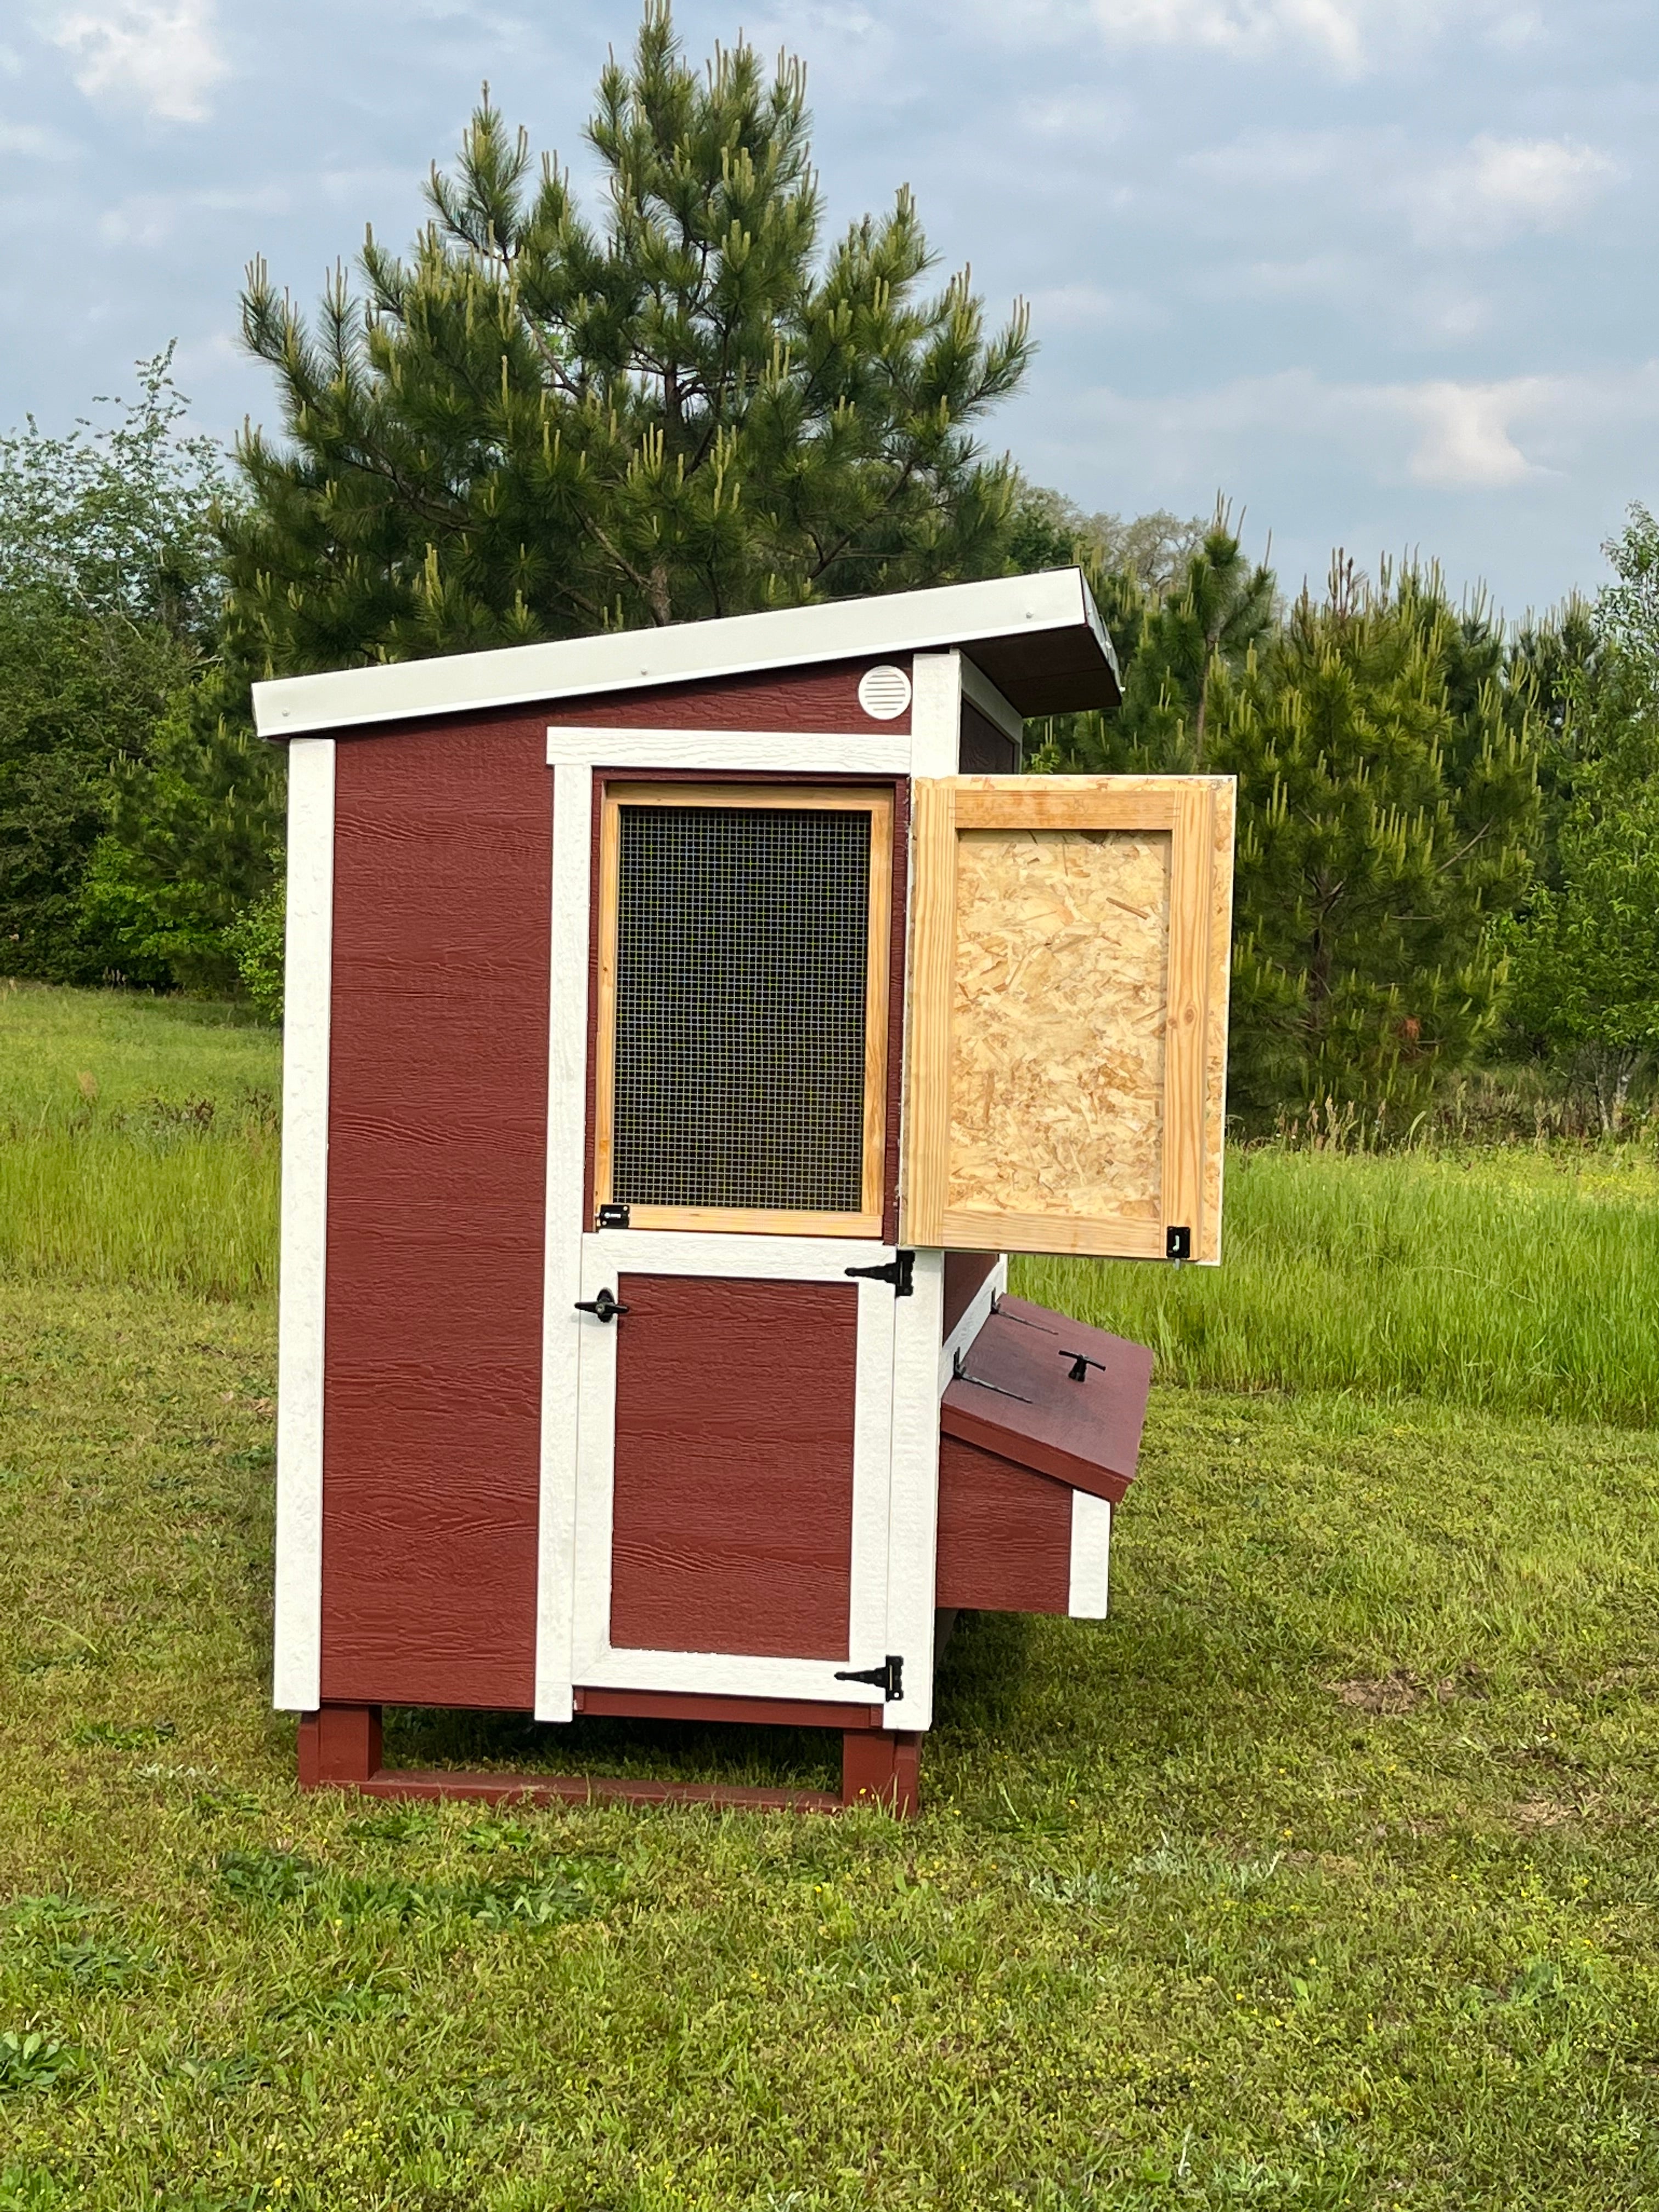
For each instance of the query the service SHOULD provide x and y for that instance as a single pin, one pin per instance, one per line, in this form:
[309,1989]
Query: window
[742,1030]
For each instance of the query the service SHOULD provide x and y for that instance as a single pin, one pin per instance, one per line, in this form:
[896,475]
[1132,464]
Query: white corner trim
[884,627]
[881,751]
[936,713]
[308,987]
[979,1312]
[1091,1548]
[566,1143]
[978,690]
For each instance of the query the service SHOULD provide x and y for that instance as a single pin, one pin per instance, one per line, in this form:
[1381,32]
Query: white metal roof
[1039,638]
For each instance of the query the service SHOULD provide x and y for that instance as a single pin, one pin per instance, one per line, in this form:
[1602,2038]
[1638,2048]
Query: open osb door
[1068,1031]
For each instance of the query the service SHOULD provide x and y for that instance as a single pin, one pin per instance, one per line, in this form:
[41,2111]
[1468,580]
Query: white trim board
[308,966]
[561,1231]
[881,751]
[1091,1554]
[683,652]
[973,1320]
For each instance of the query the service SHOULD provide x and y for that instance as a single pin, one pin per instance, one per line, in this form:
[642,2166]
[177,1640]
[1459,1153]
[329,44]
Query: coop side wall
[436,1114]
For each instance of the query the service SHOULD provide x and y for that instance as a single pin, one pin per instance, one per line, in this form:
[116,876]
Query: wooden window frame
[1197,814]
[875,801]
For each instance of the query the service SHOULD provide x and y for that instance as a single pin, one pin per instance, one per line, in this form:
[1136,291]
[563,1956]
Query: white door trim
[596,1663]
[566,1157]
[306,1008]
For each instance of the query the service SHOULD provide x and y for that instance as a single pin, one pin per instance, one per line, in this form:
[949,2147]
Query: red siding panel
[1004,1535]
[825,697]
[732,1527]
[437,1163]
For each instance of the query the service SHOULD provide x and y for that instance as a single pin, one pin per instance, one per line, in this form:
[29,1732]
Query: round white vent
[883,692]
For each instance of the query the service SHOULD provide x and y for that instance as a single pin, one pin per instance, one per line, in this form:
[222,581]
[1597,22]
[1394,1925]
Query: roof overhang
[1039,639]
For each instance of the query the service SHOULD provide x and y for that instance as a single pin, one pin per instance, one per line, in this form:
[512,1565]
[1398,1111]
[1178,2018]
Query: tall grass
[138,1141]
[1506,1280]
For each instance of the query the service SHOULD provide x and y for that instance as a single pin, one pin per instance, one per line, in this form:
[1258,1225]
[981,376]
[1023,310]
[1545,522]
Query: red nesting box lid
[1039,1412]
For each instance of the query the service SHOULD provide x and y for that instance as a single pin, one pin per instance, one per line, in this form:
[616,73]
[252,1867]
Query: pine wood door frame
[1196,813]
[875,801]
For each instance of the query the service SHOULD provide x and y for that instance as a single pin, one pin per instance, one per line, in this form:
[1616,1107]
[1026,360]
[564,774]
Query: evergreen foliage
[1217,607]
[535,427]
[1584,960]
[108,605]
[1385,820]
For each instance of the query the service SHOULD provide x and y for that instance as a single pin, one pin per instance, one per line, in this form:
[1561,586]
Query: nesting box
[682,1026]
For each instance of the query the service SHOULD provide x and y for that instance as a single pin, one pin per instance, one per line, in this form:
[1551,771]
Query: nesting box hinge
[1177,1244]
[900,1271]
[888,1678]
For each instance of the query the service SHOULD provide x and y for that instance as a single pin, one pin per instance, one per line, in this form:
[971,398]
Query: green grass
[138,1140]
[1324,1874]
[1518,1280]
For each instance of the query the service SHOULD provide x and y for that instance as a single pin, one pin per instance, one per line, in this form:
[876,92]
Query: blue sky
[1382,270]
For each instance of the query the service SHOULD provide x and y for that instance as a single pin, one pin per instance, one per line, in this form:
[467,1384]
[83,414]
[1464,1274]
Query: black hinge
[900,1272]
[612,1216]
[888,1678]
[1177,1244]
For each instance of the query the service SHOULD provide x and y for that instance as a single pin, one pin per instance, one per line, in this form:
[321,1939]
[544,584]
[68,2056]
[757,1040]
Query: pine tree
[1381,831]
[1220,605]
[534,428]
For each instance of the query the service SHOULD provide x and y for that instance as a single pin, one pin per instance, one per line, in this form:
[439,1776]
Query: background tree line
[537,426]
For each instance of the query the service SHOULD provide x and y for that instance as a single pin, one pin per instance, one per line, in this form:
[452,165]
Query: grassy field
[1325,1874]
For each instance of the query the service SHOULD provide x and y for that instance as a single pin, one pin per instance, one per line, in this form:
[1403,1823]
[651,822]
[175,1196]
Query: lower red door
[733,1489]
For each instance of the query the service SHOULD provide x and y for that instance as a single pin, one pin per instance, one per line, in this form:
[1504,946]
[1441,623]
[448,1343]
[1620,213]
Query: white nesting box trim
[1092,1548]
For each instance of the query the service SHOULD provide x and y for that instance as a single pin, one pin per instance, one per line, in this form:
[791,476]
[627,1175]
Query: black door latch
[888,1678]
[603,1308]
[1177,1244]
[900,1272]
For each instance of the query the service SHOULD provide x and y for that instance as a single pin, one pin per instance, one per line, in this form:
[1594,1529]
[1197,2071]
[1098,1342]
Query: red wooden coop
[682,1026]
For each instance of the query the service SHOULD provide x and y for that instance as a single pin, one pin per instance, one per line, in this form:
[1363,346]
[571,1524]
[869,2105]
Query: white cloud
[35,144]
[1351,36]
[1439,434]
[1465,436]
[164,54]
[1499,187]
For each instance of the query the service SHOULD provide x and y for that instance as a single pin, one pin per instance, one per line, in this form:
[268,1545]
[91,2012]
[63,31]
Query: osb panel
[1221,961]
[1058,1016]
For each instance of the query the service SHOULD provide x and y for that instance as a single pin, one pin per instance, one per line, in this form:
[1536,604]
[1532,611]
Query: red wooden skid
[339,1748]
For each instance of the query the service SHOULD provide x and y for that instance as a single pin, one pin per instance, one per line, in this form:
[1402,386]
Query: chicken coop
[682,1028]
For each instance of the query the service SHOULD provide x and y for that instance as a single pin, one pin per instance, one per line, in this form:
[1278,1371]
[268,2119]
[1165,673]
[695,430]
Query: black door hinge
[888,1678]
[1177,1244]
[900,1272]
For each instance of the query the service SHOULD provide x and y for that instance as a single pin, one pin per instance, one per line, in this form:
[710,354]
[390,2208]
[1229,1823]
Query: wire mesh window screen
[742,960]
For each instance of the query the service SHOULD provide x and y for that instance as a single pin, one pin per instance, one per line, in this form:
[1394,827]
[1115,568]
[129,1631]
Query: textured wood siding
[436,1166]
[732,1512]
[985,749]
[1004,1535]
[805,699]
[965,1273]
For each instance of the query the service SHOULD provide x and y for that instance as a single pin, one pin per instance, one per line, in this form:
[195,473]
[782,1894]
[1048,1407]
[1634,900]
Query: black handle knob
[603,1308]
